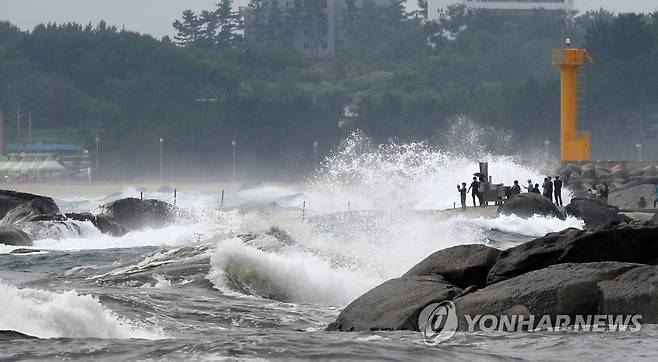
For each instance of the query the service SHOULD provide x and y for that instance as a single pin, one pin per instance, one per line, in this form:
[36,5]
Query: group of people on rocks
[476,189]
[551,189]
[599,193]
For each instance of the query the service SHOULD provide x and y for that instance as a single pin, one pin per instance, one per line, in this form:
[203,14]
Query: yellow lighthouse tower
[575,145]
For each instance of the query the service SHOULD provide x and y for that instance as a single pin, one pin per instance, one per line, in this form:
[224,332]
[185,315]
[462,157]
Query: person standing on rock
[549,188]
[605,192]
[474,188]
[544,188]
[557,185]
[462,193]
[516,189]
[530,186]
[655,202]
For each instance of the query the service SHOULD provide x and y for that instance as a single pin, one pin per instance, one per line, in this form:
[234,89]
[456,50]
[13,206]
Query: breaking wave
[67,314]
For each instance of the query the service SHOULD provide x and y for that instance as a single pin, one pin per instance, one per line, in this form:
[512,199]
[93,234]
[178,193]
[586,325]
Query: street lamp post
[315,155]
[98,149]
[161,156]
[233,144]
[639,151]
[547,143]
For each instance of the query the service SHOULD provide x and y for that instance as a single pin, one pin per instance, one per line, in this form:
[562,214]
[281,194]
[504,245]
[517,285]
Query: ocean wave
[67,314]
[292,276]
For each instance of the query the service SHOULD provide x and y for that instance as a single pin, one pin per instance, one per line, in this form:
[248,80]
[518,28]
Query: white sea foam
[336,257]
[67,314]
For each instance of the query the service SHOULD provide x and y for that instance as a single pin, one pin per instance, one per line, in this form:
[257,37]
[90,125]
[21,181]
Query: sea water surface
[262,277]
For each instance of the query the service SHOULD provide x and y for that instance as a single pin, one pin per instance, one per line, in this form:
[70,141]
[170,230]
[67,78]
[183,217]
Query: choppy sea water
[262,277]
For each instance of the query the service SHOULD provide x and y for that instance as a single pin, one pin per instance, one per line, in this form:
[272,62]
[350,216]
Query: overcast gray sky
[155,16]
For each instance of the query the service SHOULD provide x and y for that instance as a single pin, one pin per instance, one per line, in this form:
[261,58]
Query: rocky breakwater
[581,176]
[24,216]
[571,273]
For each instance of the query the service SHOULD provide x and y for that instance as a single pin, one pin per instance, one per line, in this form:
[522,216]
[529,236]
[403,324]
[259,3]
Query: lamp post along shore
[233,144]
[161,155]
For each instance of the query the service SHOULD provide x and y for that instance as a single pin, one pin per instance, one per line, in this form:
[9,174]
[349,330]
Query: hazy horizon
[137,16]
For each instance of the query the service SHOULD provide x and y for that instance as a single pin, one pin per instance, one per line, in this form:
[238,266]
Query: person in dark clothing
[557,186]
[475,190]
[462,193]
[605,192]
[516,189]
[536,189]
[482,187]
[549,189]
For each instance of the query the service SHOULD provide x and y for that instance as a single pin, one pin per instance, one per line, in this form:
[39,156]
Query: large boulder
[102,222]
[634,292]
[595,213]
[14,237]
[136,214]
[564,289]
[38,209]
[394,305]
[462,266]
[626,242]
[528,205]
[23,207]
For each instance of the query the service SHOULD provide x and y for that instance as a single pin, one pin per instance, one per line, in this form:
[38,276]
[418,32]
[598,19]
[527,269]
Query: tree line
[410,83]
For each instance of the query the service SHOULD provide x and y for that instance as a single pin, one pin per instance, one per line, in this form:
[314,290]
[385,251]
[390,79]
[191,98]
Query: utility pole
[234,143]
[161,156]
[29,129]
[18,125]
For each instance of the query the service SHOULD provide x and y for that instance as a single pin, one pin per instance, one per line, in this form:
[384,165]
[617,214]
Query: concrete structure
[325,46]
[435,6]
[575,144]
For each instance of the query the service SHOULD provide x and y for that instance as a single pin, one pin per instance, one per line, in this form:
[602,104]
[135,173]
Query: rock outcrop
[135,214]
[16,207]
[564,289]
[394,305]
[627,242]
[595,213]
[571,273]
[528,205]
[14,237]
[462,266]
[102,222]
[635,292]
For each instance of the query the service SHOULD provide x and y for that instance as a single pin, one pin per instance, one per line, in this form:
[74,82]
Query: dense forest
[395,75]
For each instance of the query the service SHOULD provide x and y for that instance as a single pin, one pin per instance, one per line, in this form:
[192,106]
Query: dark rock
[14,237]
[23,207]
[529,204]
[564,289]
[394,305]
[10,199]
[135,214]
[462,266]
[627,242]
[102,222]
[635,292]
[595,213]
[24,251]
[12,335]
[654,219]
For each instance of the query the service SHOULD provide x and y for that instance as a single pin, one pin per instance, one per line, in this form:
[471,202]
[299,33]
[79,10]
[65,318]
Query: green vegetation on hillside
[406,78]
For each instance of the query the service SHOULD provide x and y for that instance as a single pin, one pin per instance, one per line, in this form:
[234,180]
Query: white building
[435,6]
